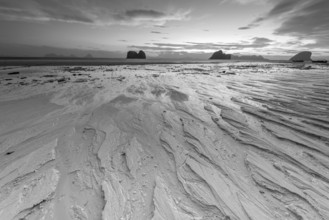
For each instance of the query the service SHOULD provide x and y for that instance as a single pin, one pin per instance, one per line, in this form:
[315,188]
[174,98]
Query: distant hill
[302,56]
[134,55]
[89,56]
[249,57]
[220,55]
[52,55]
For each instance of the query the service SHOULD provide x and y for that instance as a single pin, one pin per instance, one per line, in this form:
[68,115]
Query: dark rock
[229,73]
[219,55]
[9,152]
[13,73]
[306,67]
[81,80]
[141,55]
[302,57]
[49,75]
[319,61]
[134,55]
[120,78]
[61,80]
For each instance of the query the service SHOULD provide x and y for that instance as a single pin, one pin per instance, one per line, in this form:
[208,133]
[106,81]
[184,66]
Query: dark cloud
[70,11]
[282,7]
[309,22]
[305,20]
[157,18]
[89,12]
[261,41]
[244,28]
[44,11]
[156,32]
[253,24]
[140,13]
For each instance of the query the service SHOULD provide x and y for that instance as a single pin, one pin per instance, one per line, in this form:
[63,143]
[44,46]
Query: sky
[164,28]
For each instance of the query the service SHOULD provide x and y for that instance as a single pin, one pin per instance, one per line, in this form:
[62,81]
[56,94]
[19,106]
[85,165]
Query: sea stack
[302,57]
[220,55]
[134,55]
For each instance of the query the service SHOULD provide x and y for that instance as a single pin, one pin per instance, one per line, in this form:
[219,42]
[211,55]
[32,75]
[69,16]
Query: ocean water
[44,61]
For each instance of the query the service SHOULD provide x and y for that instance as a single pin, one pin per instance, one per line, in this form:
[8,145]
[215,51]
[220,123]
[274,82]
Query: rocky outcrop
[319,61]
[134,55]
[141,55]
[220,55]
[302,56]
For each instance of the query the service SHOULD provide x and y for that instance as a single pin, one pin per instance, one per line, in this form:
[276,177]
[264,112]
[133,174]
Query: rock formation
[141,55]
[220,55]
[319,61]
[302,56]
[134,55]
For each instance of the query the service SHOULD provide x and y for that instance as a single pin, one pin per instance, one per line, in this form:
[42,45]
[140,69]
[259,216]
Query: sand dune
[165,142]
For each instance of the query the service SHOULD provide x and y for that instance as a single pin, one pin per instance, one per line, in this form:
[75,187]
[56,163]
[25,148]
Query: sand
[164,142]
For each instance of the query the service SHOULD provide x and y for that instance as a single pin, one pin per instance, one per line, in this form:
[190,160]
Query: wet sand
[165,141]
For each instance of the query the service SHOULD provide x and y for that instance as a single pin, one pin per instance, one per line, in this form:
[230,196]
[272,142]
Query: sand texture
[165,142]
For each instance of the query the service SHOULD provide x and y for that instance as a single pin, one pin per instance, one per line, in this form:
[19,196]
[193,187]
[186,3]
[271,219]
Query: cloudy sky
[164,28]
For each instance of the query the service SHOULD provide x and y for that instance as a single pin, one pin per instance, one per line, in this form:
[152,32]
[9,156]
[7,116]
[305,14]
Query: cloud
[160,26]
[140,13]
[156,32]
[261,41]
[256,42]
[99,12]
[309,22]
[280,9]
[156,18]
[244,2]
[253,24]
[307,19]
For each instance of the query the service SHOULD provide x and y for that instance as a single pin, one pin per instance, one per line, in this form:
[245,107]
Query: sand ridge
[165,141]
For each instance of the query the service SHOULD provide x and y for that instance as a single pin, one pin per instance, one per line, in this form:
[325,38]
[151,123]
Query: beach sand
[164,142]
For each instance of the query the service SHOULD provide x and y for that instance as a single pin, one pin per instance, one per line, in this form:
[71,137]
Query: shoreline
[45,61]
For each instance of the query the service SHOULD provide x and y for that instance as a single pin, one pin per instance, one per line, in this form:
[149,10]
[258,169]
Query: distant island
[305,56]
[302,56]
[220,55]
[134,55]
